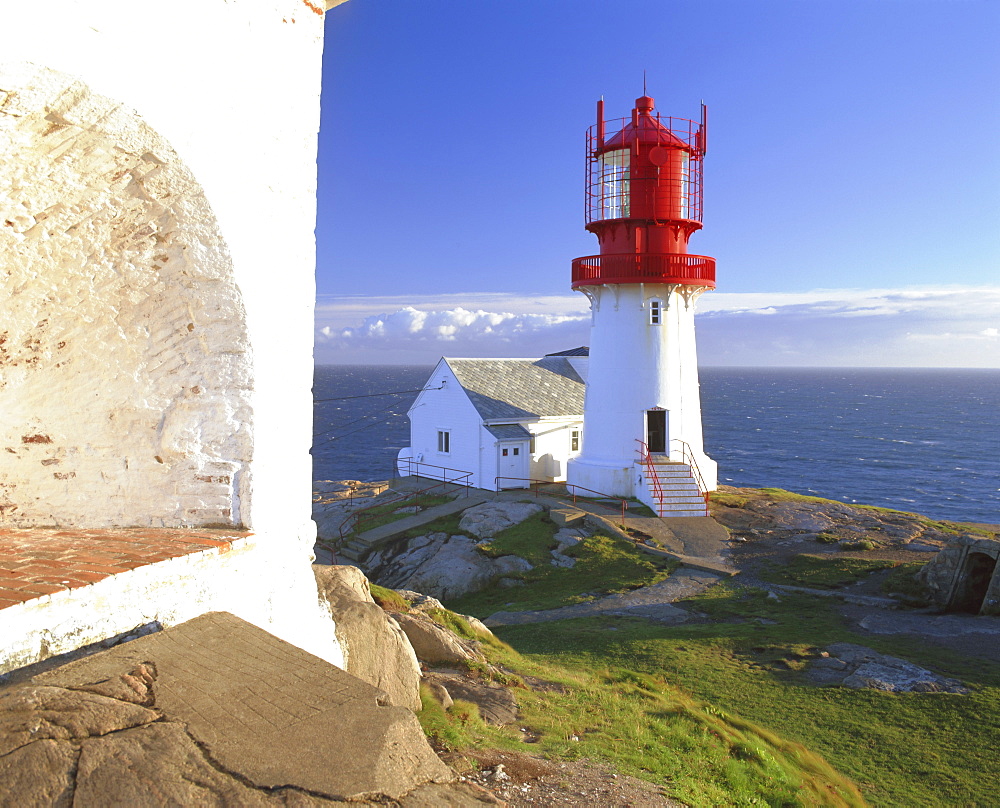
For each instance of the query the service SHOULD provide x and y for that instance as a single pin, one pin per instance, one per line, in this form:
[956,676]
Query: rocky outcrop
[489,518]
[445,567]
[855,666]
[496,703]
[230,716]
[750,512]
[375,648]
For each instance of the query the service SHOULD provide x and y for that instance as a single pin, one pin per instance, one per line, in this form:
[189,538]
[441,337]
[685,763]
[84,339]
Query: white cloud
[922,327]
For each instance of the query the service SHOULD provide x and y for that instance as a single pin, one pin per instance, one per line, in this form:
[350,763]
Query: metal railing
[688,457]
[356,520]
[535,485]
[647,461]
[679,268]
[417,468]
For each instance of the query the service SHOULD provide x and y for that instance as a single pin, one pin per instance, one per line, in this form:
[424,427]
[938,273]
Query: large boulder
[488,519]
[375,648]
[447,568]
[434,644]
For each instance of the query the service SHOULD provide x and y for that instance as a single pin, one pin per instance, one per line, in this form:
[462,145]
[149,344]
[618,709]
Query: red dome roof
[645,129]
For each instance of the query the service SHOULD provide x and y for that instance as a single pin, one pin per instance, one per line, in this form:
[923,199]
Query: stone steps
[677,493]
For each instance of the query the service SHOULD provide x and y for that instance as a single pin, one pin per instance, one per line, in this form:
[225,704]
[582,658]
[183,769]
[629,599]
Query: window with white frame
[574,440]
[655,312]
[444,441]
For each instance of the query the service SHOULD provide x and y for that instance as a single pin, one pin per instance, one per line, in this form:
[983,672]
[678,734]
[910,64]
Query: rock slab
[266,713]
[858,667]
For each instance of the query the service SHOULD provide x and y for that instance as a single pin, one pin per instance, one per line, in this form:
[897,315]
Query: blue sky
[852,182]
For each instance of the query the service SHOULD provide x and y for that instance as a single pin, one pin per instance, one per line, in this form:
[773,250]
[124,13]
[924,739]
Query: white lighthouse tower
[642,433]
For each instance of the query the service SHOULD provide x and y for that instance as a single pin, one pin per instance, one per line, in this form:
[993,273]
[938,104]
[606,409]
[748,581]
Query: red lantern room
[644,194]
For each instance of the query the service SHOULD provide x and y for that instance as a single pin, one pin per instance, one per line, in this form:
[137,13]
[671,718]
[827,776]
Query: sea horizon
[911,439]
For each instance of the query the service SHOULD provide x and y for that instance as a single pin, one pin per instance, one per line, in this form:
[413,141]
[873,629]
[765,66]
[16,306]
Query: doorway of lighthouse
[656,430]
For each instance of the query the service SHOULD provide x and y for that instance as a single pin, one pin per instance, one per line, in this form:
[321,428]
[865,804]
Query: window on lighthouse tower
[614,184]
[655,312]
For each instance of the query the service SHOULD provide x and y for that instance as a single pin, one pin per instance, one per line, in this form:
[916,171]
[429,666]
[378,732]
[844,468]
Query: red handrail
[647,461]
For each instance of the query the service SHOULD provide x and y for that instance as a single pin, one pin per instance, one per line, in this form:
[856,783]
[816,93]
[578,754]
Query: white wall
[233,87]
[552,447]
[125,365]
[255,579]
[447,409]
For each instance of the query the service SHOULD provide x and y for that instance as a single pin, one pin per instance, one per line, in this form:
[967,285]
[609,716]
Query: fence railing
[677,268]
[688,457]
[536,486]
[417,468]
[357,520]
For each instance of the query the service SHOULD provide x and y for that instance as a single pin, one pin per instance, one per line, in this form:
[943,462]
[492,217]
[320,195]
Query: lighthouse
[642,432]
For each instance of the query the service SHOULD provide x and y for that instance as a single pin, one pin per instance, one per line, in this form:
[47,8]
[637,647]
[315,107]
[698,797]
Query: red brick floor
[41,561]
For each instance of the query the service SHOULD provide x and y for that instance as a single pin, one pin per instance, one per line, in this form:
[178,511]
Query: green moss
[531,539]
[604,565]
[823,572]
[389,599]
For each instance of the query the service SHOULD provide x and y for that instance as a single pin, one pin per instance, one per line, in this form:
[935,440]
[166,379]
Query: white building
[498,423]
[157,164]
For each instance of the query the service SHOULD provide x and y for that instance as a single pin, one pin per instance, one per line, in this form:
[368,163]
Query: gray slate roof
[516,389]
[509,432]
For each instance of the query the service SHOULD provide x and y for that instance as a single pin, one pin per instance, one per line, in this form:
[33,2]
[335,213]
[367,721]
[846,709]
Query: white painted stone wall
[124,360]
[256,579]
[232,88]
[634,367]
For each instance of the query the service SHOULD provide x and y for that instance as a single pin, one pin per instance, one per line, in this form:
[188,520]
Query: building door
[656,431]
[512,465]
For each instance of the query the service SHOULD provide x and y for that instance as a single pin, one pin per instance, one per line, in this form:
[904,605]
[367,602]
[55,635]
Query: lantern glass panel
[614,184]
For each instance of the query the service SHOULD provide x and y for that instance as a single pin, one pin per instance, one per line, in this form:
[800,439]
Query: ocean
[912,439]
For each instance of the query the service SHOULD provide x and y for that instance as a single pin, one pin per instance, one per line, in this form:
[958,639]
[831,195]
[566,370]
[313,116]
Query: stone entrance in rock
[964,576]
[973,583]
[125,369]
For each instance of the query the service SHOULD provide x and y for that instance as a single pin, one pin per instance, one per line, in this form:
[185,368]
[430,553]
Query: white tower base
[642,390]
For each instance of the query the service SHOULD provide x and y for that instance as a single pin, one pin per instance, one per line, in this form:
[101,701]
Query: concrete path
[649,602]
[363,543]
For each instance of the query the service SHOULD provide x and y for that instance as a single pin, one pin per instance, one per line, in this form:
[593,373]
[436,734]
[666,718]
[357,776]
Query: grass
[902,749]
[603,566]
[902,581]
[533,540]
[644,725]
[718,711]
[818,572]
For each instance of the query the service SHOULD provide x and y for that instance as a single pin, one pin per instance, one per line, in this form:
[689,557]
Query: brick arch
[125,368]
